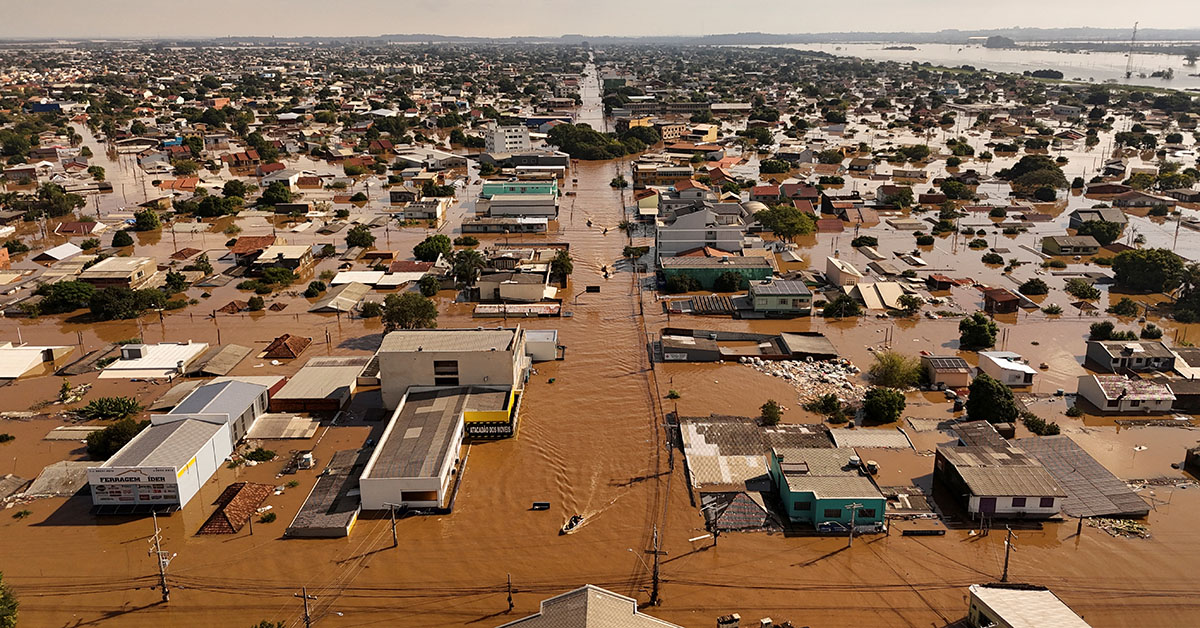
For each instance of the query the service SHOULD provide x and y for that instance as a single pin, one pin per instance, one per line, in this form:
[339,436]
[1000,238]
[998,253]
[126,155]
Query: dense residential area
[612,333]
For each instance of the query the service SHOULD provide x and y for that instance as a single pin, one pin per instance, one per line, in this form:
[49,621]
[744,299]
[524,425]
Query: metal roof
[1092,490]
[874,438]
[448,340]
[421,435]
[341,298]
[715,262]
[825,472]
[992,471]
[323,378]
[229,397]
[167,445]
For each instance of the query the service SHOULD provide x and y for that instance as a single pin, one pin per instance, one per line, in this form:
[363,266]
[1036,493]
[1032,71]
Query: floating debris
[1121,527]
[811,379]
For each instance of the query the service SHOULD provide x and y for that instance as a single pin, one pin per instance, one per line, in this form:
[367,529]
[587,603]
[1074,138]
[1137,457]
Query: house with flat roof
[296,258]
[163,360]
[1120,393]
[1019,606]
[493,357]
[706,270]
[1006,367]
[998,481]
[589,606]
[120,272]
[780,297]
[19,360]
[1130,355]
[816,485]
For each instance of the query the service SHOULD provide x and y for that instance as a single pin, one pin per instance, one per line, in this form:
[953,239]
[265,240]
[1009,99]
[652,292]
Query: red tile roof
[251,244]
[287,347]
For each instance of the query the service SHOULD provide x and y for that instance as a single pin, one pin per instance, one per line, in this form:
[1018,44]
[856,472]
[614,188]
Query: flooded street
[592,441]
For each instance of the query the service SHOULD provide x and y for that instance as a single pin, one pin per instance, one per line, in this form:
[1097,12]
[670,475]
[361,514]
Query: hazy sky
[203,18]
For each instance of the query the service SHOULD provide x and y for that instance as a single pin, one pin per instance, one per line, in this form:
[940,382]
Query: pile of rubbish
[1121,527]
[811,379]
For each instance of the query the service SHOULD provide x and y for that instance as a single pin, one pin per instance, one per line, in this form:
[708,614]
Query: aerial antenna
[1129,57]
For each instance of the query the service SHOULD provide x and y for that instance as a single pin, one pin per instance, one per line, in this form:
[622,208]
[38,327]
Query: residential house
[589,607]
[120,272]
[1006,367]
[1130,355]
[947,371]
[1070,245]
[296,258]
[998,481]
[1106,214]
[819,486]
[1140,198]
[246,249]
[1002,605]
[1120,393]
[841,273]
[1000,301]
[780,297]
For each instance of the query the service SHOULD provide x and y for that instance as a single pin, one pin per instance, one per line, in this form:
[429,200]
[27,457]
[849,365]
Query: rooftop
[715,262]
[449,340]
[994,471]
[421,435]
[947,364]
[824,472]
[1122,387]
[780,287]
[166,445]
[230,397]
[1023,606]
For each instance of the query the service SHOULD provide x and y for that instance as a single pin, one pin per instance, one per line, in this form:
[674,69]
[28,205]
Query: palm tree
[466,266]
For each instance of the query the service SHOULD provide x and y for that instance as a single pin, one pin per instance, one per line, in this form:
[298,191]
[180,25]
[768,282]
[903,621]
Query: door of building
[987,505]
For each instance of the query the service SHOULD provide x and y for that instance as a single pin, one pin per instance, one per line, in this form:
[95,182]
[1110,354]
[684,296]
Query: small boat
[571,524]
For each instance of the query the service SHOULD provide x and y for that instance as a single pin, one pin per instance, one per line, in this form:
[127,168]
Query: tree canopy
[1148,270]
[883,405]
[409,310]
[977,331]
[786,222]
[990,400]
[431,247]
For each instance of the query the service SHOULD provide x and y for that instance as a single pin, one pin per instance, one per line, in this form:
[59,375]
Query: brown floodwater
[591,442]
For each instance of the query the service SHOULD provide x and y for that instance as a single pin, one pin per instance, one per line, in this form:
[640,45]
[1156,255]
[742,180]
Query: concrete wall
[1005,507]
[399,370]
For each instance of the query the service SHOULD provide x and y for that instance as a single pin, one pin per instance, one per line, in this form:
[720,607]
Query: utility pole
[1007,550]
[163,560]
[510,600]
[306,597]
[853,508]
[395,541]
[654,572]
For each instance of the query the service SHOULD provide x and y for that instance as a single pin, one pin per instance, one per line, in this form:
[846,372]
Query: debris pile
[1121,527]
[811,379]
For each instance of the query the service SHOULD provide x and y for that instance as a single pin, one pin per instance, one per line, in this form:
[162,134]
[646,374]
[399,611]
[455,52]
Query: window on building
[868,513]
[1112,403]
[833,513]
[445,367]
[1047,502]
[1018,502]
[802,506]
[1135,403]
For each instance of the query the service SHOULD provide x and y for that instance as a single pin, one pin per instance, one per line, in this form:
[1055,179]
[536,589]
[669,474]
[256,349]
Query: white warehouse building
[165,465]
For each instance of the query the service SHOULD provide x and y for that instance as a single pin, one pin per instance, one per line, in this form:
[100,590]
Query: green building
[706,269]
[503,188]
[816,485]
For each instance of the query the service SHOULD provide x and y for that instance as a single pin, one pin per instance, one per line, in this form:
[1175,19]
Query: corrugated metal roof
[992,471]
[167,445]
[229,397]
